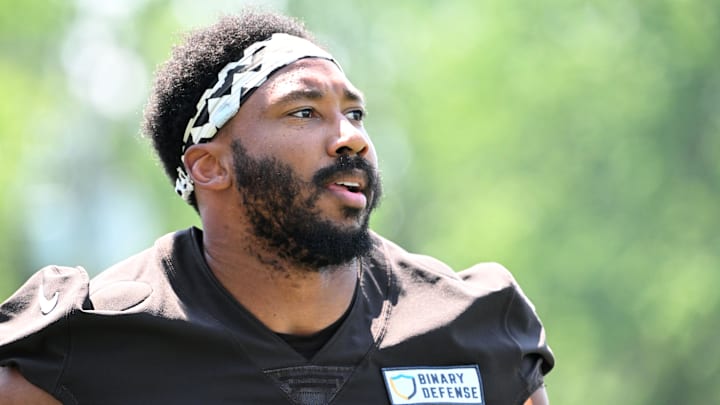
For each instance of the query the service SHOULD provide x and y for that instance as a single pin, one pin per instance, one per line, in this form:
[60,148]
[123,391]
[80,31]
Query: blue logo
[403,386]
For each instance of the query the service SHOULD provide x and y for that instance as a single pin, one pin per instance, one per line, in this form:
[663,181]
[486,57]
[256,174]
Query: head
[193,68]
[303,168]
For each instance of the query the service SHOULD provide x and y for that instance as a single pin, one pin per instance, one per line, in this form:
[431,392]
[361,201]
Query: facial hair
[282,210]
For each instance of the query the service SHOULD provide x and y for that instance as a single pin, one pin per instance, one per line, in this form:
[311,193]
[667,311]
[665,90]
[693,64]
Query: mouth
[350,188]
[353,181]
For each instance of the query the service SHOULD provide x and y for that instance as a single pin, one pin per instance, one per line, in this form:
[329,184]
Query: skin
[16,390]
[305,115]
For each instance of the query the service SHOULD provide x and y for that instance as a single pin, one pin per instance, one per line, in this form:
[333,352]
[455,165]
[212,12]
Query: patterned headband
[236,81]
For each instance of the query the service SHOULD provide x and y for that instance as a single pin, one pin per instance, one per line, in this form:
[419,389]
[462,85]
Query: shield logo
[403,386]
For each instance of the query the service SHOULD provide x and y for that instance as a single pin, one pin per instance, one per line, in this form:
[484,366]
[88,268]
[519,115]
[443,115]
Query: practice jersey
[160,328]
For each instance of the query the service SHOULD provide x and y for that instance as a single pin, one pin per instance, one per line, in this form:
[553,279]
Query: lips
[350,188]
[351,179]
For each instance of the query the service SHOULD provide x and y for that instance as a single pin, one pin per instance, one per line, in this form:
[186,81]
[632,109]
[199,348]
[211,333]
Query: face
[305,168]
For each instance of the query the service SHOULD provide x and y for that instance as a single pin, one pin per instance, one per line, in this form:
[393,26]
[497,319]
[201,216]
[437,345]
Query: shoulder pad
[119,296]
[491,276]
[46,298]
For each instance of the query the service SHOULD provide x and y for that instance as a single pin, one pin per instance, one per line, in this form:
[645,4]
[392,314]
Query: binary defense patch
[434,385]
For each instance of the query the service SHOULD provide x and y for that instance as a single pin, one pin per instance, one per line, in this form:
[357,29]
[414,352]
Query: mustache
[344,164]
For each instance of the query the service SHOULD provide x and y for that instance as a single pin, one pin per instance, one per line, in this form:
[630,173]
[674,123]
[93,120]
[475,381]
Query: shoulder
[416,270]
[129,283]
[45,298]
[55,306]
[432,295]
[478,313]
[33,330]
[54,293]
[139,265]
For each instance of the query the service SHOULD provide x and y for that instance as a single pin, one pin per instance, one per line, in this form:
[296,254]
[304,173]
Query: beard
[282,210]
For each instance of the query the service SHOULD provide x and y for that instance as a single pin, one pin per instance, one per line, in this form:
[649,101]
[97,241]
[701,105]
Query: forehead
[309,78]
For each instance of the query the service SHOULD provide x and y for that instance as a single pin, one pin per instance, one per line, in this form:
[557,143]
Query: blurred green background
[576,142]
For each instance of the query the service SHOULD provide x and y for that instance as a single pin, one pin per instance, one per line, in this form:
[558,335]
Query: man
[284,296]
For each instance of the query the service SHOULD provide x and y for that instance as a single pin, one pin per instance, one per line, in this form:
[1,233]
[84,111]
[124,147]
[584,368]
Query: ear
[206,167]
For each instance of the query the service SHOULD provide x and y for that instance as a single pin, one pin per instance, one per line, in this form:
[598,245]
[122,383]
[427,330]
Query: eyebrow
[316,94]
[353,95]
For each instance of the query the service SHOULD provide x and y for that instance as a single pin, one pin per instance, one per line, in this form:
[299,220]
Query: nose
[350,140]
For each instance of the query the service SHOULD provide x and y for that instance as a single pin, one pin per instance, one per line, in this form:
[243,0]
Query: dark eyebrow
[315,94]
[353,95]
[300,94]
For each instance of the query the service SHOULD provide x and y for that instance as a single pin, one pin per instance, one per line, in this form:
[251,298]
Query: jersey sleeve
[34,334]
[522,324]
[525,327]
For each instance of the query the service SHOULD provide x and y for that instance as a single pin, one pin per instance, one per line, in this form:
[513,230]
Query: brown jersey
[159,328]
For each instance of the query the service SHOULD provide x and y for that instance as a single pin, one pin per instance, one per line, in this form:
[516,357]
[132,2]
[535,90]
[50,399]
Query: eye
[355,115]
[304,113]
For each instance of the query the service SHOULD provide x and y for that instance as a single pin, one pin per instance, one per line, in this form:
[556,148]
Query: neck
[287,298]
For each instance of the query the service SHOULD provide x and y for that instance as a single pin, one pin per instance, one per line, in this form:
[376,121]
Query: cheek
[372,154]
[304,157]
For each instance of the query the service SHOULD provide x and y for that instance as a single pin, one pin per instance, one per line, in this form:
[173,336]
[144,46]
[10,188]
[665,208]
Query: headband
[219,103]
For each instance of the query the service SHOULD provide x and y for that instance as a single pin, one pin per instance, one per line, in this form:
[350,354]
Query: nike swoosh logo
[47,305]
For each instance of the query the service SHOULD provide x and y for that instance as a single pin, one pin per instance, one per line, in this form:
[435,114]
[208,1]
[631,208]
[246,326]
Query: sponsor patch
[434,385]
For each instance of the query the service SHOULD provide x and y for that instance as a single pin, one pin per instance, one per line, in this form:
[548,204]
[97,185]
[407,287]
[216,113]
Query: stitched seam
[519,399]
[169,259]
[68,395]
[387,309]
[527,391]
[58,387]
